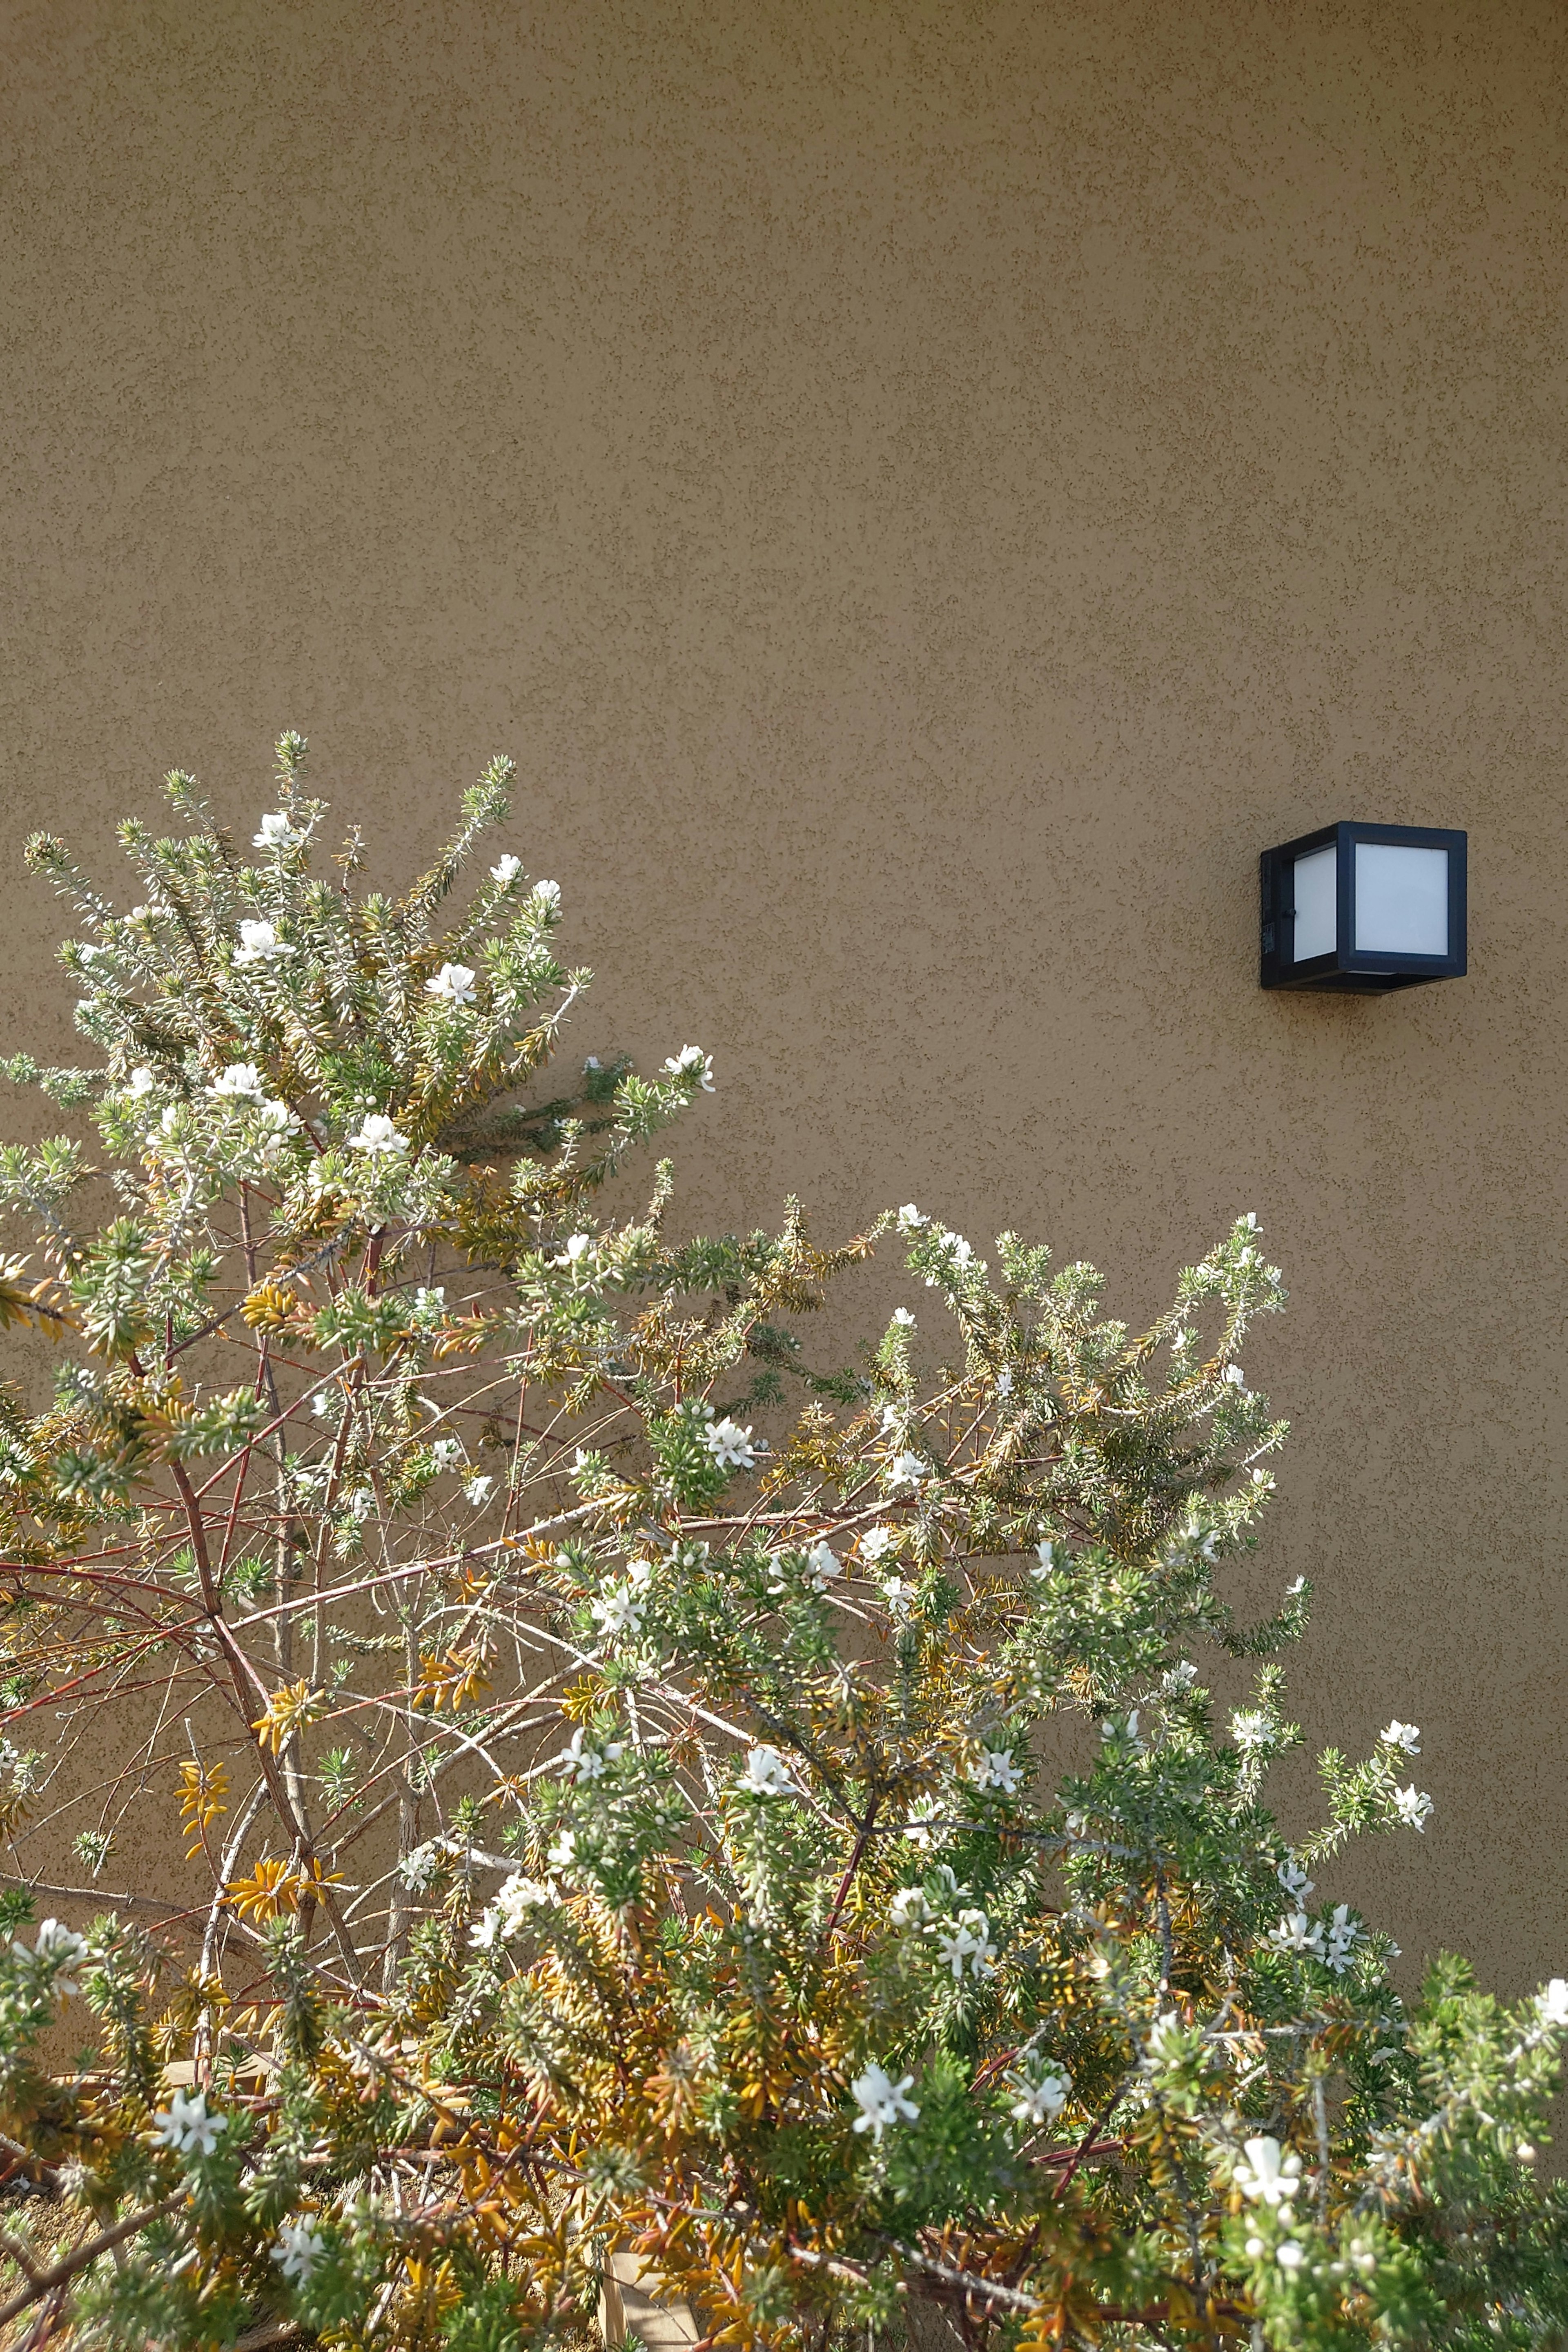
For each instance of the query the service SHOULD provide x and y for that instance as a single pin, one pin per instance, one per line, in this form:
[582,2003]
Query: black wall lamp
[1361,908]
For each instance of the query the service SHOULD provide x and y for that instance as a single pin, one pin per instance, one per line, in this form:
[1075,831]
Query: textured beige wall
[926,491]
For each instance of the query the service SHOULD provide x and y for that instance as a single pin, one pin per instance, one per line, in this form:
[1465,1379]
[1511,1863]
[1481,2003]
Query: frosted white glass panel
[1401,900]
[1317,907]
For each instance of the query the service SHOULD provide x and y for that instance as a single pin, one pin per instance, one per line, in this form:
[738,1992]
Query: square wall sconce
[1358,909]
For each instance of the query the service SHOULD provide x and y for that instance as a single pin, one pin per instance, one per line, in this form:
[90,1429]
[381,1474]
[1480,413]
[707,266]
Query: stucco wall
[926,491]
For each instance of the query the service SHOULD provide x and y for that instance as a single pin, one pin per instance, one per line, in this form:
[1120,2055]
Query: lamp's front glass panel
[1401,900]
[1317,903]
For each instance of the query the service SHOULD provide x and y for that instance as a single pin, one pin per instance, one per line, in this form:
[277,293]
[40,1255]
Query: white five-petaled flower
[1266,2177]
[1405,1737]
[506,870]
[1413,1806]
[297,2249]
[616,1611]
[377,1134]
[1040,2102]
[141,1081]
[549,891]
[822,1565]
[765,1775]
[897,1593]
[994,1769]
[691,1061]
[920,1823]
[908,1470]
[733,1447]
[1296,1933]
[881,2101]
[564,1852]
[477,1489]
[875,1542]
[1344,1934]
[1293,1878]
[61,1948]
[910,1219]
[507,1915]
[275,833]
[1553,2002]
[240,1079]
[186,2126]
[454,984]
[1250,1729]
[447,1453]
[967,1940]
[1235,1375]
[259,943]
[585,1763]
[904,1320]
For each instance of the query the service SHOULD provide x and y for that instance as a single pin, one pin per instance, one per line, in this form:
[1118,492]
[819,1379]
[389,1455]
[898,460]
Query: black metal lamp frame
[1348,971]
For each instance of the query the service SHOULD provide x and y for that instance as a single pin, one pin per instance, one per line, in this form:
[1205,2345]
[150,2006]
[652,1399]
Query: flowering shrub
[603,1760]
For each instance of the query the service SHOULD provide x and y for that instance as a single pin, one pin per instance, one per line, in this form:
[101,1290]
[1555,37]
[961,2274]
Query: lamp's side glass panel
[1317,909]
[1401,900]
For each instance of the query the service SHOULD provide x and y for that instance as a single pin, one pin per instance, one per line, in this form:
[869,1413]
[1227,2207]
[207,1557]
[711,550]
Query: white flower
[454,984]
[1553,2002]
[186,2126]
[909,1908]
[1235,1376]
[1267,2179]
[141,1081]
[994,1769]
[1413,1806]
[898,1594]
[61,1948]
[519,1895]
[1289,2254]
[1041,2102]
[377,1134]
[564,1852]
[477,1489]
[689,1060]
[1293,1878]
[297,2249]
[881,2101]
[1344,1934]
[447,1453]
[580,1246]
[276,1120]
[765,1775]
[1004,1381]
[822,1565]
[417,1869]
[1178,1679]
[875,1542]
[588,1763]
[902,1317]
[1407,1736]
[731,1447]
[506,870]
[908,1470]
[909,1219]
[487,1930]
[593,1063]
[1046,1553]
[1294,1591]
[321,1403]
[259,943]
[920,1825]
[617,1612]
[276,833]
[549,891]
[242,1079]
[1296,1933]
[968,1939]
[1251,1730]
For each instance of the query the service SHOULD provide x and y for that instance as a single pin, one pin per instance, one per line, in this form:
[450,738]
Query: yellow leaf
[288,1710]
[203,1801]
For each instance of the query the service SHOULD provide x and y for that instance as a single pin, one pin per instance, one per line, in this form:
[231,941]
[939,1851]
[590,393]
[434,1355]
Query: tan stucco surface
[926,492]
